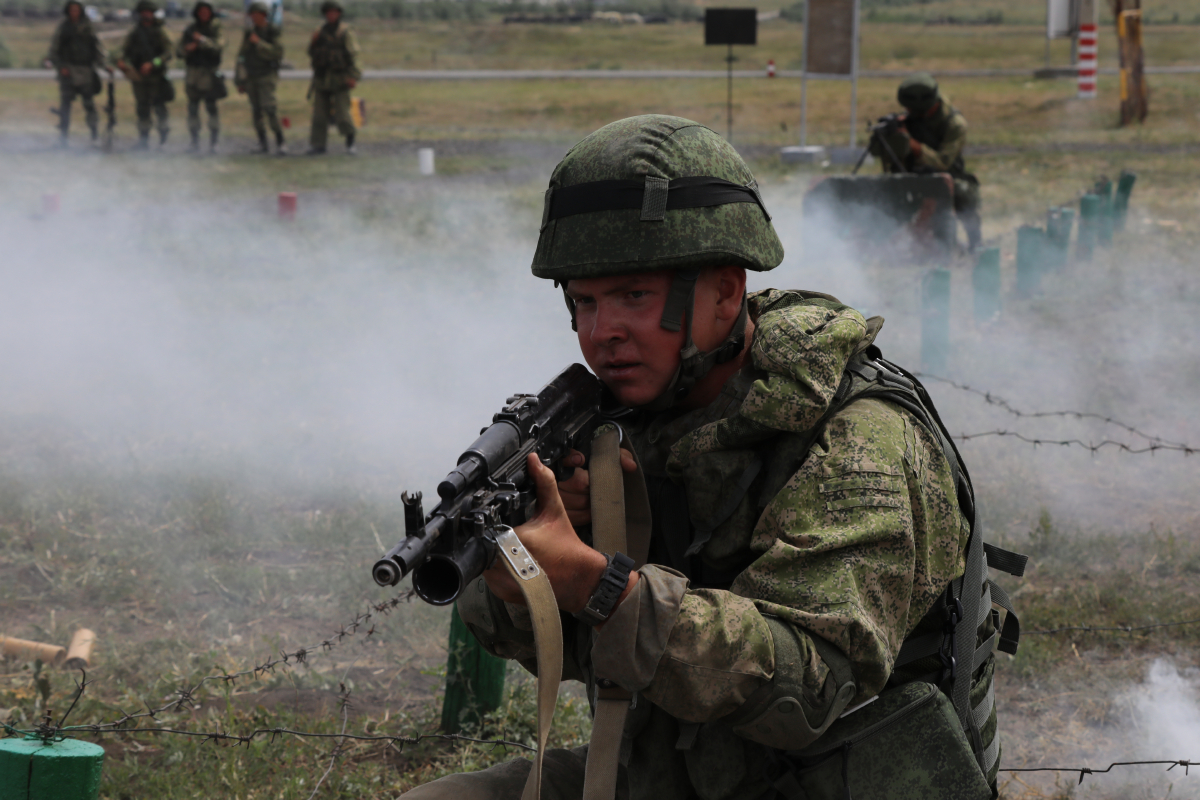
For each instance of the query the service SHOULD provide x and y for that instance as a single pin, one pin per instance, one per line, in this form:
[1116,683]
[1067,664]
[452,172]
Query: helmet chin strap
[693,364]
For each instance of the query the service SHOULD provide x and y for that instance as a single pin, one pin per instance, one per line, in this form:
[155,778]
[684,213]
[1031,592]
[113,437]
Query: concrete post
[1059,222]
[1120,205]
[474,678]
[985,279]
[1104,222]
[1031,246]
[935,320]
[1090,208]
[31,769]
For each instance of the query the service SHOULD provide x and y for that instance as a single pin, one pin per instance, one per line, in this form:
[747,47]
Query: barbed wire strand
[1113,629]
[1084,771]
[1156,443]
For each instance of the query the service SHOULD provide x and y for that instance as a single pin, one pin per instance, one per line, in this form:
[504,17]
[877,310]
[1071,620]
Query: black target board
[731,26]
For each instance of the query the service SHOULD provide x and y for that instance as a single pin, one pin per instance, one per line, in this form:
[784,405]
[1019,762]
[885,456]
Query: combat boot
[143,142]
[212,141]
[263,148]
[95,131]
[280,147]
[315,151]
[351,150]
[162,137]
[194,147]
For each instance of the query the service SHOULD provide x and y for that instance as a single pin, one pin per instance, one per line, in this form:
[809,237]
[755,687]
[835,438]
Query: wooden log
[79,652]
[23,649]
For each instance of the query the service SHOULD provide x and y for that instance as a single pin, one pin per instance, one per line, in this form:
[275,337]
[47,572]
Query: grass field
[208,414]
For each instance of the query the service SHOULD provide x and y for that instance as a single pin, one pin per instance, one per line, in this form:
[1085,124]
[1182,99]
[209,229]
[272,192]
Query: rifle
[110,111]
[490,488]
[880,130]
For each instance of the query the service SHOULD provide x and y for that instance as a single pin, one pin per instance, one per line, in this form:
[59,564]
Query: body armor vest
[951,647]
[201,57]
[932,132]
[256,65]
[77,45]
[147,44]
[329,52]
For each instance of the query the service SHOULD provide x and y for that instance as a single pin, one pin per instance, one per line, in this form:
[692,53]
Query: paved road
[614,74]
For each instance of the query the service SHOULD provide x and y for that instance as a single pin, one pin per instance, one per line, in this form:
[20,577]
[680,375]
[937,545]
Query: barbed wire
[1155,443]
[1084,771]
[184,699]
[1113,628]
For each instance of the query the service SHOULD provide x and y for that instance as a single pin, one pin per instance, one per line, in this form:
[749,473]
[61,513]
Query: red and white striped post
[771,68]
[1087,60]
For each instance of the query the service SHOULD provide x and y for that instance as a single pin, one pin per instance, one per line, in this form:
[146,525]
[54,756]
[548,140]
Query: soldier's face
[204,13]
[259,19]
[332,15]
[620,335]
[74,12]
[147,17]
[620,327]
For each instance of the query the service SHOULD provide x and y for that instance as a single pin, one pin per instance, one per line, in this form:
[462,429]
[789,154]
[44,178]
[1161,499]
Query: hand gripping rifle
[879,131]
[491,487]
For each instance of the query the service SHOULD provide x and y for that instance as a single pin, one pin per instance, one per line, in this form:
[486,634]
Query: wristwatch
[614,580]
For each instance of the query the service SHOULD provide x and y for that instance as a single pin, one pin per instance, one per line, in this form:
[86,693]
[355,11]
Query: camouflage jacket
[148,43]
[334,54]
[851,538]
[943,137]
[75,44]
[206,55]
[262,58]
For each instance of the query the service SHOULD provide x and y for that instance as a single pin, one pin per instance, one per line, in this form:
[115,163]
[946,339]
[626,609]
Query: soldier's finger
[548,499]
[628,464]
[578,482]
[573,459]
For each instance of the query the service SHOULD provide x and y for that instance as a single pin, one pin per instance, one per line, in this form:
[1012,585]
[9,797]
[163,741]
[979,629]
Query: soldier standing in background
[144,58]
[75,52]
[200,47]
[932,139]
[258,72]
[334,53]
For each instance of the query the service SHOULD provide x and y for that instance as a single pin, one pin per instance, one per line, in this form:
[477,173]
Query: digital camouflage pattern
[853,546]
[918,92]
[149,44]
[76,49]
[619,242]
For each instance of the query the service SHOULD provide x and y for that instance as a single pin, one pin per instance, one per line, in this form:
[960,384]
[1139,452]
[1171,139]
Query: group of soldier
[145,55]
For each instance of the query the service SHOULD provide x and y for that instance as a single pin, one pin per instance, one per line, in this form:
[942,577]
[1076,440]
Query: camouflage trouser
[327,105]
[261,91]
[146,97]
[562,779]
[66,94]
[195,97]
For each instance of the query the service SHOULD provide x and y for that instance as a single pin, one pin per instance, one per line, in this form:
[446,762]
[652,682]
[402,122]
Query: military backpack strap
[620,522]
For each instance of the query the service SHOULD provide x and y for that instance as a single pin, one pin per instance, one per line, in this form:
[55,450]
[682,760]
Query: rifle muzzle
[442,578]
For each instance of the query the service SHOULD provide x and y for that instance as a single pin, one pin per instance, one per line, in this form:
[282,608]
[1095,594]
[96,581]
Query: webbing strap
[981,712]
[620,520]
[547,642]
[652,196]
[1005,560]
[992,754]
[1010,634]
[965,633]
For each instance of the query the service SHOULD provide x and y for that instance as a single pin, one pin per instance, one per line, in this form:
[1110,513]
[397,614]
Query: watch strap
[612,583]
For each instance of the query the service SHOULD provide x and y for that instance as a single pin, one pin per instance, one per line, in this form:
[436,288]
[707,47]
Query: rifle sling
[548,644]
[620,521]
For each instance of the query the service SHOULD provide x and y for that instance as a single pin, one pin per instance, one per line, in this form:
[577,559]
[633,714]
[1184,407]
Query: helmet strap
[693,364]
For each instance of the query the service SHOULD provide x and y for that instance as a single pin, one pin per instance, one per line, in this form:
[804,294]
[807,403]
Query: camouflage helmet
[259,7]
[918,92]
[653,193]
[331,5]
[205,4]
[649,193]
[67,6]
[146,5]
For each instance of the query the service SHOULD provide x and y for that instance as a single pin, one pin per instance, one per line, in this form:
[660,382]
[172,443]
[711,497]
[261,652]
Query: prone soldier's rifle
[879,131]
[491,489]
